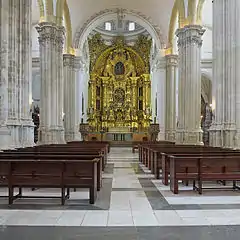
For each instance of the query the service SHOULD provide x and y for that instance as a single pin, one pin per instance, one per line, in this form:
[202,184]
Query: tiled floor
[131,200]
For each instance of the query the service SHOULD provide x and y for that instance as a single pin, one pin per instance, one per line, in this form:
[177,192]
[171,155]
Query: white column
[189,92]
[161,96]
[14,93]
[71,98]
[83,76]
[154,84]
[236,8]
[225,130]
[27,126]
[5,133]
[171,64]
[51,38]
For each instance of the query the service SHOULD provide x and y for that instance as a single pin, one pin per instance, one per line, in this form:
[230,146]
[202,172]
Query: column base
[5,137]
[161,135]
[216,135]
[27,133]
[171,135]
[237,139]
[229,138]
[53,135]
[189,137]
[14,126]
[73,136]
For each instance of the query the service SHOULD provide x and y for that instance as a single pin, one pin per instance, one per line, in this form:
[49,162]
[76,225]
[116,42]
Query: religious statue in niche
[130,68]
[119,68]
[119,96]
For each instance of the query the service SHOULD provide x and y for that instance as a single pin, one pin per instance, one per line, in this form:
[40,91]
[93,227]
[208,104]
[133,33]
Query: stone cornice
[36,62]
[205,63]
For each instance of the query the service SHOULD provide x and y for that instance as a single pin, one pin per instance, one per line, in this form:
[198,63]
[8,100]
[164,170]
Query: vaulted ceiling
[159,11]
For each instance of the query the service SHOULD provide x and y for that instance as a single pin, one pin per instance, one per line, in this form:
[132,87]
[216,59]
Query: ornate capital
[172,60]
[68,60]
[50,32]
[190,35]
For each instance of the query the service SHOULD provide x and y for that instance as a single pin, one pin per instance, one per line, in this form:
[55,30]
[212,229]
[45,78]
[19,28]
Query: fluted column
[171,65]
[25,78]
[189,92]
[14,95]
[51,38]
[161,97]
[225,130]
[5,133]
[71,98]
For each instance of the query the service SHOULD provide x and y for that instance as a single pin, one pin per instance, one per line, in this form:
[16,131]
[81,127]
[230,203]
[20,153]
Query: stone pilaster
[14,91]
[84,77]
[171,65]
[25,78]
[161,96]
[189,91]
[5,133]
[71,98]
[51,38]
[225,130]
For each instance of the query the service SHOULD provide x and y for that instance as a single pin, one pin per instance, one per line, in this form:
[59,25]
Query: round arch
[104,55]
[84,30]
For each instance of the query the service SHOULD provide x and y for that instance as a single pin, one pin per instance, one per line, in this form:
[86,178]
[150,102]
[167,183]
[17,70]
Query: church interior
[120,119]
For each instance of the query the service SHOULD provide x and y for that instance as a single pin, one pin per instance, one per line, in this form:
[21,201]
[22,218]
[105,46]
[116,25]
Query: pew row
[203,168]
[49,173]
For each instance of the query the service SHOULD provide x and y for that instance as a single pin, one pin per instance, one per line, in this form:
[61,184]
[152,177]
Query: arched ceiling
[81,11]
[157,12]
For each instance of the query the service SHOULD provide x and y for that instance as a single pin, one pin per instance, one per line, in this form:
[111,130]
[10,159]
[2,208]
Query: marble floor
[131,205]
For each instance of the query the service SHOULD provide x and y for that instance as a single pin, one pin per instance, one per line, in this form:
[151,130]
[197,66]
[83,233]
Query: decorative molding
[155,28]
[172,60]
[190,34]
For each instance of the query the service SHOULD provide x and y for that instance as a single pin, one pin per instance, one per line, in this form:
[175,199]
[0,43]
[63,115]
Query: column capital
[49,31]
[159,64]
[190,34]
[172,60]
[68,60]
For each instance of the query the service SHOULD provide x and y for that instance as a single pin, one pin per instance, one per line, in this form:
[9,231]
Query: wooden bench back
[48,173]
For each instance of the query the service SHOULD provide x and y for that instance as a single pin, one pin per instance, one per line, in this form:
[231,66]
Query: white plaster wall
[207,45]
[207,24]
[84,77]
[154,85]
[35,43]
[36,87]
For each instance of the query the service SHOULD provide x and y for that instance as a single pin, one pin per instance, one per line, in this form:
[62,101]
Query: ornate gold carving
[117,73]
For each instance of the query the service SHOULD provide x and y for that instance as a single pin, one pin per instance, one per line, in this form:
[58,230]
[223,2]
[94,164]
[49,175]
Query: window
[108,26]
[131,26]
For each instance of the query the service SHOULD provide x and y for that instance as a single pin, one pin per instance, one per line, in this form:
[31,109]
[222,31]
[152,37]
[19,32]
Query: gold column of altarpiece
[119,85]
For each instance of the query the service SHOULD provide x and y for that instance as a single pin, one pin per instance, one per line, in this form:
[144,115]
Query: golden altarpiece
[119,87]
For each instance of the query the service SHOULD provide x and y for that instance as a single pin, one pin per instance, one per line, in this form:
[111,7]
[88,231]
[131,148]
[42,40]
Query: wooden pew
[51,174]
[165,160]
[64,149]
[144,147]
[57,156]
[153,159]
[204,168]
[91,143]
